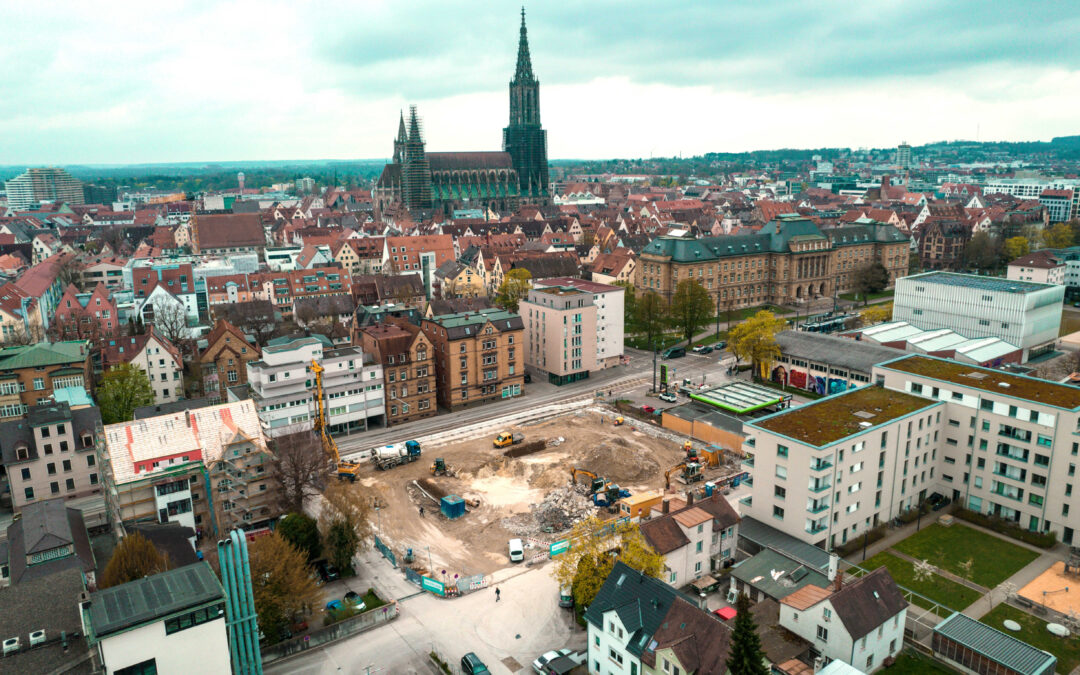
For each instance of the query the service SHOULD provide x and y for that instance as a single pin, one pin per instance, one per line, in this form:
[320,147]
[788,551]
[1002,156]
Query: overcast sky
[119,82]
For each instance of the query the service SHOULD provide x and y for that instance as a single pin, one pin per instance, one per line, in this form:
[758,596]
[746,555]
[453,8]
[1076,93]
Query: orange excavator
[345,470]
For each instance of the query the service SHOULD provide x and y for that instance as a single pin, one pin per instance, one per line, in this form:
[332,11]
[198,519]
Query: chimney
[187,417]
[690,498]
[834,563]
[666,505]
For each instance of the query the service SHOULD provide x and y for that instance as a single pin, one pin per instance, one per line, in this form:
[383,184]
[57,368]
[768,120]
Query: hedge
[1007,527]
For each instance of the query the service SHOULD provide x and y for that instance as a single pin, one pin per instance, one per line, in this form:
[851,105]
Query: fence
[336,631]
[385,550]
[460,586]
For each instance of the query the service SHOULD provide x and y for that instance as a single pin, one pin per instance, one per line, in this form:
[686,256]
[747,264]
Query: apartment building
[282,386]
[610,302]
[1023,313]
[52,453]
[86,316]
[285,288]
[1041,267]
[155,356]
[223,363]
[560,332]
[695,540]
[207,468]
[477,356]
[45,184]
[29,374]
[408,361]
[1034,188]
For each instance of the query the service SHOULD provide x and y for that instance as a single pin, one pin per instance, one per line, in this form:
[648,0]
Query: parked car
[706,349]
[668,396]
[722,344]
[356,600]
[566,598]
[699,349]
[543,659]
[516,549]
[333,605]
[674,352]
[648,409]
[327,572]
[472,665]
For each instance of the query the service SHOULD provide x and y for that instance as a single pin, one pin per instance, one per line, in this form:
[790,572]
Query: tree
[255,318]
[629,306]
[282,584]
[170,321]
[651,315]
[515,286]
[1016,247]
[70,270]
[302,531]
[923,570]
[124,388]
[876,314]
[754,340]
[745,656]
[870,277]
[301,468]
[691,308]
[982,252]
[595,546]
[341,544]
[345,509]
[135,557]
[1058,236]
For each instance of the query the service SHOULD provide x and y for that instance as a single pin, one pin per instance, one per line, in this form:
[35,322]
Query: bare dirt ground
[506,488]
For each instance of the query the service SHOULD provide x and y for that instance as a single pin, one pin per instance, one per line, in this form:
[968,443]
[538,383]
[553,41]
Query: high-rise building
[903,155]
[524,138]
[240,181]
[43,185]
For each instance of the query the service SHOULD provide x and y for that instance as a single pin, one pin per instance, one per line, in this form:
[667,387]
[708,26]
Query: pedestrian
[421,511]
[496,594]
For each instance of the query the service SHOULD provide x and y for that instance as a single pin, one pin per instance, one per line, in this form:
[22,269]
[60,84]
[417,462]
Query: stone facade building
[478,356]
[408,361]
[223,363]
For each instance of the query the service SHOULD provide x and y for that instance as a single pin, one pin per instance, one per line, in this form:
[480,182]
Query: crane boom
[344,469]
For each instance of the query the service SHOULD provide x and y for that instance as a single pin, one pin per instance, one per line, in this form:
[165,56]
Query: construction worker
[496,594]
[421,511]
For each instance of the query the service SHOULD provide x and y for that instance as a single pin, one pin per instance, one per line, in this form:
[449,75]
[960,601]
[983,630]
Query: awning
[726,613]
[704,582]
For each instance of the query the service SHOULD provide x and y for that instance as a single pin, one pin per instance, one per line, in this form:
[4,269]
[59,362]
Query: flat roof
[792,575]
[739,397]
[1001,647]
[823,422]
[834,351]
[988,379]
[978,282]
[152,598]
[767,536]
[559,290]
[892,331]
[701,412]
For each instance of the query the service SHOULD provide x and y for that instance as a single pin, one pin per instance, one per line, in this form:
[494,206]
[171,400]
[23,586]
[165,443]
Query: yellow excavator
[690,472]
[596,483]
[345,470]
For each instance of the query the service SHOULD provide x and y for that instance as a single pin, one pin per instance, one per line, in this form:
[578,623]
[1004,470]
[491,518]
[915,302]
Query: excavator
[345,470]
[597,483]
[690,472]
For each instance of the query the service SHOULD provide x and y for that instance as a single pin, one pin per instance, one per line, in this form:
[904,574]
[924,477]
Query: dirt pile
[558,512]
[622,461]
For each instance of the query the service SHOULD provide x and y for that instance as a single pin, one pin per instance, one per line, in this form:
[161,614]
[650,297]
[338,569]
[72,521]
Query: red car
[648,409]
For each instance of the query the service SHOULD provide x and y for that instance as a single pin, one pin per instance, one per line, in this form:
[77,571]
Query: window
[823,633]
[615,656]
[781,472]
[778,512]
[781,451]
[779,492]
[148,667]
[869,662]
[54,488]
[29,492]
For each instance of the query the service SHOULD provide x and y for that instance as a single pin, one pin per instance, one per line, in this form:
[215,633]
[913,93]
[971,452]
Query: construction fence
[450,587]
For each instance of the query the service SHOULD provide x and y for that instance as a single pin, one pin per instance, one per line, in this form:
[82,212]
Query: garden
[937,588]
[1033,631]
[966,552]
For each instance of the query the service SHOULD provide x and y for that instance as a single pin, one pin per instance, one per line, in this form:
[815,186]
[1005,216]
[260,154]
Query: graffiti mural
[818,384]
[779,375]
[797,378]
[836,385]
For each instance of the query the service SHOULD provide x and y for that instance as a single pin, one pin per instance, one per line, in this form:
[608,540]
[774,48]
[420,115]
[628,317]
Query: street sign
[559,547]
[433,585]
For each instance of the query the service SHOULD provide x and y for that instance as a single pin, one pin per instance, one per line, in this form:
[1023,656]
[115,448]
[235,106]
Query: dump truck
[389,456]
[506,438]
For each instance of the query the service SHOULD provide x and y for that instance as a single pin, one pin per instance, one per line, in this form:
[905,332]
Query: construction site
[528,480]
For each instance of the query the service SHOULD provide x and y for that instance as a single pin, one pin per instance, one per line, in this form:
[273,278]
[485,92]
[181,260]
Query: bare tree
[255,317]
[170,320]
[301,468]
[22,335]
[70,271]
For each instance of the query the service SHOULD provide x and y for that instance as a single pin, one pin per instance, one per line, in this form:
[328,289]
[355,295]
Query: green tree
[124,388]
[344,521]
[515,286]
[282,584]
[876,314]
[691,308]
[302,531]
[341,543]
[870,277]
[754,340]
[1058,236]
[594,548]
[1016,247]
[982,251]
[650,315]
[746,656]
[629,306]
[135,557]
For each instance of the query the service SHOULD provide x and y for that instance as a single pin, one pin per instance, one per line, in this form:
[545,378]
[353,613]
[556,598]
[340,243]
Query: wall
[704,431]
[602,641]
[333,632]
[205,644]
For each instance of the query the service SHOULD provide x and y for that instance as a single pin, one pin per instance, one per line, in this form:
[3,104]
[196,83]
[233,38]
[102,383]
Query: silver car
[542,660]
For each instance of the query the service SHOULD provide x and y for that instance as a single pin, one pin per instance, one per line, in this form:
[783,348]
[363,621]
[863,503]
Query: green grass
[712,339]
[949,547]
[1033,631]
[853,297]
[938,588]
[371,601]
[662,342]
[913,663]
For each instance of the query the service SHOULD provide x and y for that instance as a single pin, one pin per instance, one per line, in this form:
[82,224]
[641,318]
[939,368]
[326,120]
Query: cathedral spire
[524,71]
[401,128]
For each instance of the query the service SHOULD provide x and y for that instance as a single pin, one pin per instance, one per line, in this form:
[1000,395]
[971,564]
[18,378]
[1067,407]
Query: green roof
[43,354]
[153,598]
[471,318]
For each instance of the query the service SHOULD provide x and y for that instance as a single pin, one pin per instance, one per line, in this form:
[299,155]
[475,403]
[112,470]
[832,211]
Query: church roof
[450,161]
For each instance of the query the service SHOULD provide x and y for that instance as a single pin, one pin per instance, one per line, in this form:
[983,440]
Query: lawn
[941,590]
[853,297]
[913,663]
[995,560]
[662,342]
[1033,631]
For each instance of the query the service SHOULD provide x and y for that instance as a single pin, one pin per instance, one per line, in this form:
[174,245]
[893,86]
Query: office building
[610,316]
[43,185]
[903,155]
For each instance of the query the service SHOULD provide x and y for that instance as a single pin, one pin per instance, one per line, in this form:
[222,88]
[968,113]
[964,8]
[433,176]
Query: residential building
[48,538]
[155,356]
[86,316]
[826,364]
[29,374]
[772,575]
[695,540]
[157,287]
[1023,313]
[977,647]
[1042,267]
[789,261]
[941,243]
[225,233]
[160,469]
[163,623]
[284,288]
[638,624]
[41,288]
[455,280]
[476,356]
[859,621]
[609,301]
[223,362]
[568,317]
[283,387]
[408,361]
[360,256]
[45,605]
[617,266]
[43,185]
[108,270]
[1033,188]
[53,452]
[1058,203]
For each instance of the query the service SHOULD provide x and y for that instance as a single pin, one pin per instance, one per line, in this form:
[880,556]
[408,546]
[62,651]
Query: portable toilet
[710,487]
[452,506]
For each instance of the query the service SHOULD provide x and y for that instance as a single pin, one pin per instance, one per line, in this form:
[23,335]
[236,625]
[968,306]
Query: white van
[517,550]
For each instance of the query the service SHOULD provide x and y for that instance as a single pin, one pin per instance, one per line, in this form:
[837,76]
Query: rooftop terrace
[836,417]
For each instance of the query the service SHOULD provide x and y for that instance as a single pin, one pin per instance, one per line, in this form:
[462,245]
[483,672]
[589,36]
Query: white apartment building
[695,539]
[1023,313]
[283,386]
[43,185]
[1033,188]
[609,302]
[1040,267]
[156,356]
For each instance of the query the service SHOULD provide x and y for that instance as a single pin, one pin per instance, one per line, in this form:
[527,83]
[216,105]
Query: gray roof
[979,283]
[152,598]
[868,602]
[170,539]
[767,536]
[835,351]
[49,604]
[20,431]
[695,411]
[996,645]
[173,407]
[757,571]
[44,526]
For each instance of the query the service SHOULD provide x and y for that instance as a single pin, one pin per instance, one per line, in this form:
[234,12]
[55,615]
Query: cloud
[133,82]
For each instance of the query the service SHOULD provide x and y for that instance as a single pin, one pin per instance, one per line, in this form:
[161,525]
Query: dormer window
[87,439]
[22,451]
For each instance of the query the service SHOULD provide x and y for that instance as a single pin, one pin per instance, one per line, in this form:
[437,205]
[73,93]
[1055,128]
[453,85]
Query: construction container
[452,506]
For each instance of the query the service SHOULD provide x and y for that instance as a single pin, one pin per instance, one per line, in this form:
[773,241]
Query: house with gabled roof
[223,362]
[695,540]
[155,355]
[86,316]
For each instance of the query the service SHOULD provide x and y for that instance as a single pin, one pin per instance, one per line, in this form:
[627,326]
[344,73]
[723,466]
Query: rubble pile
[561,508]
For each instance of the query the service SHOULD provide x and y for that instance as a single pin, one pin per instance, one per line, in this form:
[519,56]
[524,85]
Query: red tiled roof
[229,230]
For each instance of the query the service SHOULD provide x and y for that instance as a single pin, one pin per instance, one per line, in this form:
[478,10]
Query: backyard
[1033,631]
[993,560]
[913,663]
[937,588]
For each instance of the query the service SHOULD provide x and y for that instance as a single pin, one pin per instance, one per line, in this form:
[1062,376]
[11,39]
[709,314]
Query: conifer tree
[745,656]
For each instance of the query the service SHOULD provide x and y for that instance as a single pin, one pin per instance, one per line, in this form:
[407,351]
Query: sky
[117,82]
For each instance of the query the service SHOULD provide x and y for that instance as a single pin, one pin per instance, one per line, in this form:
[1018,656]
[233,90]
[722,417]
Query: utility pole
[718,313]
[654,366]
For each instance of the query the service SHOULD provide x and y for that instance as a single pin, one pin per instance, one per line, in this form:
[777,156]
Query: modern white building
[609,302]
[1023,313]
[283,386]
[43,185]
[166,623]
[1033,188]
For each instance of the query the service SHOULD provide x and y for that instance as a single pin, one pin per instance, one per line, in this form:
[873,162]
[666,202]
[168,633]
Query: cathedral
[455,180]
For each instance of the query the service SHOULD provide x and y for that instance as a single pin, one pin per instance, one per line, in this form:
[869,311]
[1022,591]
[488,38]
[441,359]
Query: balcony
[817,508]
[748,461]
[820,487]
[814,528]
[747,501]
[749,480]
[820,465]
[1015,434]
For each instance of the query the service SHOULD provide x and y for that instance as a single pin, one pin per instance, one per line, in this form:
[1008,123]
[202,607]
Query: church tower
[399,142]
[524,138]
[415,168]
